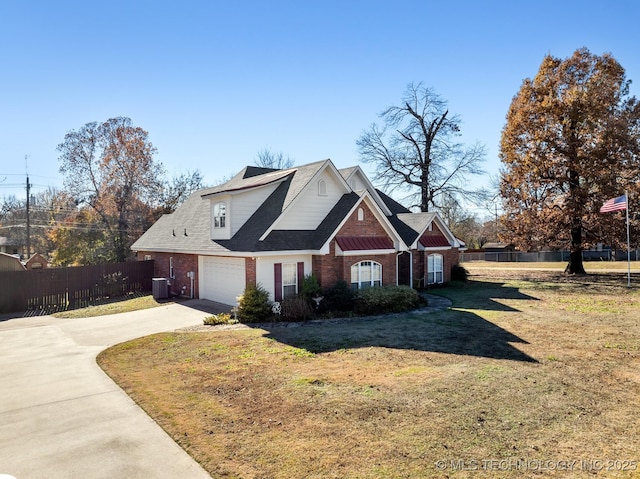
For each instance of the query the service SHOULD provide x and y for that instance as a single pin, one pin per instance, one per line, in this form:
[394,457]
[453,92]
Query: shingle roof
[410,225]
[188,228]
[298,240]
[393,205]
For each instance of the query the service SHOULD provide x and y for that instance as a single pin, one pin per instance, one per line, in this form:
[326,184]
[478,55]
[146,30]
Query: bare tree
[176,190]
[416,150]
[268,159]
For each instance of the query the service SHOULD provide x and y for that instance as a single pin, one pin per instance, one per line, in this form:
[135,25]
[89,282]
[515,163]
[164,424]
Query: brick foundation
[182,264]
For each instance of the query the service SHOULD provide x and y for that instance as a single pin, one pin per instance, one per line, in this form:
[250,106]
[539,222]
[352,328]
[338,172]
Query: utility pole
[28,219]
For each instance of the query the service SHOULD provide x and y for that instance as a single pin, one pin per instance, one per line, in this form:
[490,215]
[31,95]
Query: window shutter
[300,276]
[277,275]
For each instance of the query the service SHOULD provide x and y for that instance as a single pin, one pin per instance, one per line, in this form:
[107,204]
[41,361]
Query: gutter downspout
[411,268]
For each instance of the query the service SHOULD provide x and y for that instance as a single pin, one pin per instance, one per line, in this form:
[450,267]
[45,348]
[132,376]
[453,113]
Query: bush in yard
[297,308]
[386,299]
[254,305]
[339,297]
[112,285]
[310,288]
[222,318]
[459,273]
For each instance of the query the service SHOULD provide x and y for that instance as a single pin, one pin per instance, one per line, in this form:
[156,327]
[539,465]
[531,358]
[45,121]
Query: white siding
[246,203]
[311,208]
[221,233]
[265,269]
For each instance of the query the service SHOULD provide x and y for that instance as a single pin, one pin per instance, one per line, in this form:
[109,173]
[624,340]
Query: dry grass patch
[124,304]
[518,370]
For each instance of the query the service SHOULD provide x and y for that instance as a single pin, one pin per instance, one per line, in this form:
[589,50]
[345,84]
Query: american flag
[615,204]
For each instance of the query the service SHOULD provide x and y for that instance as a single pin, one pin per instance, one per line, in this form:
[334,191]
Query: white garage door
[222,279]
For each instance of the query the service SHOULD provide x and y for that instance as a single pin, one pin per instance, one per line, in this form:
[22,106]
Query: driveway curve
[62,416]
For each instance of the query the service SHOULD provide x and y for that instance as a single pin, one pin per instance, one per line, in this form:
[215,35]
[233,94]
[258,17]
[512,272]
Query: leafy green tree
[571,141]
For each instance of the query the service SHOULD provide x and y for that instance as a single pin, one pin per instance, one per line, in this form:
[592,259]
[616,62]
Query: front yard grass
[118,305]
[522,377]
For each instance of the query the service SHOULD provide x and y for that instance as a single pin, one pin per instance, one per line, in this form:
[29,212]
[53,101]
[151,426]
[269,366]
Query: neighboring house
[10,262]
[499,252]
[8,246]
[37,261]
[274,227]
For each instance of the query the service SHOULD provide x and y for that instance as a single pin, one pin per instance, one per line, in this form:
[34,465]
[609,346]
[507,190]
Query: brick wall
[182,264]
[450,257]
[331,268]
[369,226]
[250,271]
[327,268]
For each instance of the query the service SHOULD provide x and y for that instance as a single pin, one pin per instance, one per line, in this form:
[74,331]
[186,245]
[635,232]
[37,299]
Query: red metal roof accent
[362,243]
[434,241]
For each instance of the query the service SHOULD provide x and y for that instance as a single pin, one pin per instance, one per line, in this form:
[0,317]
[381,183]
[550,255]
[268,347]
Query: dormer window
[219,215]
[322,188]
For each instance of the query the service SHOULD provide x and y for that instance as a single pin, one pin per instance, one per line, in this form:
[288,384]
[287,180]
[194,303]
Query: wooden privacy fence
[58,289]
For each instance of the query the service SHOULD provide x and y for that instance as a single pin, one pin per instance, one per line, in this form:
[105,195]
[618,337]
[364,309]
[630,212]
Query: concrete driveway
[60,414]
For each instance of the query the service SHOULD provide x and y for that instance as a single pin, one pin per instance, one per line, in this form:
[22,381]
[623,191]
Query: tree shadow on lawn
[452,331]
[483,295]
[449,332]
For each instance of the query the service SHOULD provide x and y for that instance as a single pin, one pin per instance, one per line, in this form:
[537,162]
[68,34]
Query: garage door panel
[222,279]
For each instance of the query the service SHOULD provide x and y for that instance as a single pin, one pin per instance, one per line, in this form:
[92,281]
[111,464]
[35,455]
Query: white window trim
[220,220]
[295,282]
[372,282]
[172,273]
[322,188]
[434,276]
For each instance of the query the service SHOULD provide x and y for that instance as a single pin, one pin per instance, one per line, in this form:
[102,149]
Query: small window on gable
[360,214]
[220,215]
[322,188]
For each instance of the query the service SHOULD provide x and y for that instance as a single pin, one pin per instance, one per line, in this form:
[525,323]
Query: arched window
[220,215]
[366,274]
[360,214]
[322,188]
[435,269]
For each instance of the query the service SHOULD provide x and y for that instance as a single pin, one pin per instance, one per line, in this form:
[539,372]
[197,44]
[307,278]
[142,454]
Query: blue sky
[215,82]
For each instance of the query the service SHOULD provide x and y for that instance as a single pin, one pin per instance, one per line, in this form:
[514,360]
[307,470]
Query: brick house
[273,227]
